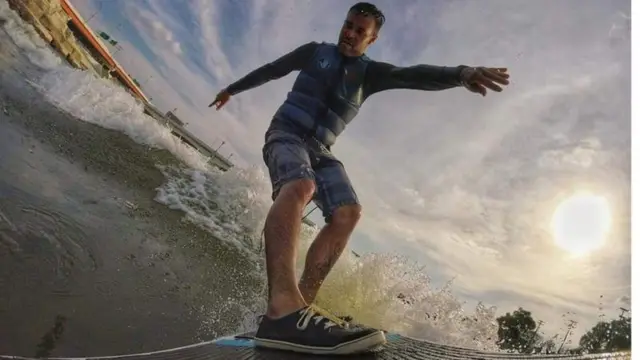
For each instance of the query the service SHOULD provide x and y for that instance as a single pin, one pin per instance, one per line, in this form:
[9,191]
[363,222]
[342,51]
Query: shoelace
[317,314]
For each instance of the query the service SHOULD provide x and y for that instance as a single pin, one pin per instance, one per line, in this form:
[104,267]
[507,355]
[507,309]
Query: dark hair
[365,8]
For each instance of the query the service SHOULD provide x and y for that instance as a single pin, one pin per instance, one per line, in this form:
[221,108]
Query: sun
[581,223]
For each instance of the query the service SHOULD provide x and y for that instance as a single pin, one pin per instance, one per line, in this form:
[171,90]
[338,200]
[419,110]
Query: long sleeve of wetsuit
[382,76]
[295,60]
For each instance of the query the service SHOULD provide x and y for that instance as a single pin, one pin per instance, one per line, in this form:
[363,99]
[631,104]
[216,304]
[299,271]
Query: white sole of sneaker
[360,345]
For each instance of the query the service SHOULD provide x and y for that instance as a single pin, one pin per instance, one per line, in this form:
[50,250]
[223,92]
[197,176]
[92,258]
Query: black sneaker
[315,331]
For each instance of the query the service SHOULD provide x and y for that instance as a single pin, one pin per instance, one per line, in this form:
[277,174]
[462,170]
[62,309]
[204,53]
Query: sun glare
[580,223]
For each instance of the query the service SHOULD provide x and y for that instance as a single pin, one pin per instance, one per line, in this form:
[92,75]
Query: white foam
[27,39]
[101,102]
[233,205]
[92,99]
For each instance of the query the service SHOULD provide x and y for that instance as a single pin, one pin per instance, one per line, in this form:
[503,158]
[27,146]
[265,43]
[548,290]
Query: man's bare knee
[301,189]
[346,216]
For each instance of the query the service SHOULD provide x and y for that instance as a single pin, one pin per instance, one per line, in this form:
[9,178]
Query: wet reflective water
[90,264]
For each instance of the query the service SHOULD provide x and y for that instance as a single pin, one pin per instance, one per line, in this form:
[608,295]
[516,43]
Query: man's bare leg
[326,249]
[282,227]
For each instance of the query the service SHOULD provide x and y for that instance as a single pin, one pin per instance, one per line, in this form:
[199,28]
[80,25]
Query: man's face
[357,33]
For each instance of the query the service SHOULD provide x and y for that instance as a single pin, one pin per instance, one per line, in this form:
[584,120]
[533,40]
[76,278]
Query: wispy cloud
[160,32]
[464,184]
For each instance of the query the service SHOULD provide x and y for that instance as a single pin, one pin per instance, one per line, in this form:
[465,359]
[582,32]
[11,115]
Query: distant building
[188,138]
[174,118]
[308,222]
[305,219]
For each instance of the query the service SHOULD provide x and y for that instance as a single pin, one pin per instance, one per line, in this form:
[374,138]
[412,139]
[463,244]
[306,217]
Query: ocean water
[115,237]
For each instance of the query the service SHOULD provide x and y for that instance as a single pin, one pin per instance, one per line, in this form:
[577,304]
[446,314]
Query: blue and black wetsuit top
[331,87]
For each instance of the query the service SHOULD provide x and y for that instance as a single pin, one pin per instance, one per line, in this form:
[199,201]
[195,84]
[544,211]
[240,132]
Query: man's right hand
[479,79]
[221,99]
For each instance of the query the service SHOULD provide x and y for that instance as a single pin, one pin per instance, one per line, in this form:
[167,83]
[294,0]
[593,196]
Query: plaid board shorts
[291,157]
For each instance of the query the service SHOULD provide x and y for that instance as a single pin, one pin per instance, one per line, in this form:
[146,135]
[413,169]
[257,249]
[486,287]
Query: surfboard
[398,347]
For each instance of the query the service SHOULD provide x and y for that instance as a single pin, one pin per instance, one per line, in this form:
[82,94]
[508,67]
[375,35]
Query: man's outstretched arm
[294,60]
[383,76]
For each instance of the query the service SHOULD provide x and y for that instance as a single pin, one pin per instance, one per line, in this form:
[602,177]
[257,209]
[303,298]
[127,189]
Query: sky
[462,183]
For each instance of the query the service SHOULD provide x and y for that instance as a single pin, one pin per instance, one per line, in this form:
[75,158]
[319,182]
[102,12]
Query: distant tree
[104,35]
[614,335]
[518,332]
[113,42]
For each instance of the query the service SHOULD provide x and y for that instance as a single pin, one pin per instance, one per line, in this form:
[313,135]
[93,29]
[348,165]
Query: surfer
[332,84]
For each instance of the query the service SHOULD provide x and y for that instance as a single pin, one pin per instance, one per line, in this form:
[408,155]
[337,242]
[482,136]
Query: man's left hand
[478,79]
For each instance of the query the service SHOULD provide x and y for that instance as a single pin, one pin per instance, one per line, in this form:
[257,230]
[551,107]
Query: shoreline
[149,256]
[64,33]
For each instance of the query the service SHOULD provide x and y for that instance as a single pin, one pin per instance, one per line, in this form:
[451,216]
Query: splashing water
[92,99]
[27,39]
[381,290]
[390,292]
[231,205]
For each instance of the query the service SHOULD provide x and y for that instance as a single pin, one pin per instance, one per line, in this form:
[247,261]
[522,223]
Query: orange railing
[86,31]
